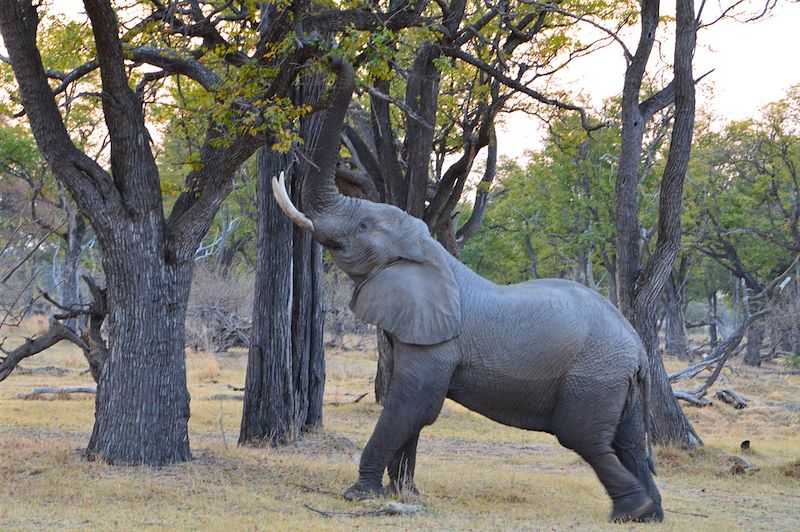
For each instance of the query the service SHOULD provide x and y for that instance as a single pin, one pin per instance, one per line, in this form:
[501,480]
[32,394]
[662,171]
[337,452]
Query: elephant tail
[644,371]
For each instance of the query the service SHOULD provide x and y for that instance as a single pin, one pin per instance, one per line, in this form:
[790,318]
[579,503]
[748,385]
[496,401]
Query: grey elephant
[547,355]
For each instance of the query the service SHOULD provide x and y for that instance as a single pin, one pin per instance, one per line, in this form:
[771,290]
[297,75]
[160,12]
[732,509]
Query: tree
[453,77]
[640,282]
[286,367]
[745,194]
[142,405]
[553,218]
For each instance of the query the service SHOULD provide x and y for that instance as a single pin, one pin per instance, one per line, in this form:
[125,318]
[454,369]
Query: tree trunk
[385,366]
[307,347]
[640,285]
[316,364]
[308,313]
[142,403]
[71,269]
[755,339]
[670,425]
[675,335]
[269,402]
[712,319]
[286,364]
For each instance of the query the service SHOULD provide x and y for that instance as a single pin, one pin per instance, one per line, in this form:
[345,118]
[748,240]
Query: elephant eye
[362,225]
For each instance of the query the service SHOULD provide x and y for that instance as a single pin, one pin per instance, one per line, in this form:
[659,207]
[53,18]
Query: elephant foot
[639,509]
[361,491]
[398,489]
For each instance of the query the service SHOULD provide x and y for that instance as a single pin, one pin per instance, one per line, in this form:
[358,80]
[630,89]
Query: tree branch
[457,53]
[32,346]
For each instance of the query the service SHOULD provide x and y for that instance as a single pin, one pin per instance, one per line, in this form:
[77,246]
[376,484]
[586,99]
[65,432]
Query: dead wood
[389,508]
[719,356]
[54,334]
[90,339]
[726,395]
[692,399]
[51,371]
[51,390]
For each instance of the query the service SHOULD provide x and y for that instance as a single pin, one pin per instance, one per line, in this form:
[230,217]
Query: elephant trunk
[320,195]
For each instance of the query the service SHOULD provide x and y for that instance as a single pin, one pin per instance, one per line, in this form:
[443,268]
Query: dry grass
[474,474]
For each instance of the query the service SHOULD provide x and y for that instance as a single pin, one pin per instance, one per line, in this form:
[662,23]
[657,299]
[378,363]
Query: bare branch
[54,334]
[520,87]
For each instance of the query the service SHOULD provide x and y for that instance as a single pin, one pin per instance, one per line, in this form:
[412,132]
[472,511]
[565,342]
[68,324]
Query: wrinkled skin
[548,355]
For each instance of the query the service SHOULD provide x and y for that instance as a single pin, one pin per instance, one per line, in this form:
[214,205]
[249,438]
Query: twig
[360,397]
[685,513]
[222,426]
[390,508]
[315,490]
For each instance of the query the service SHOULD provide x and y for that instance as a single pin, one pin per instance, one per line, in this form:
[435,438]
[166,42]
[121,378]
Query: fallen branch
[726,395]
[390,508]
[45,390]
[720,356]
[692,399]
[780,371]
[692,371]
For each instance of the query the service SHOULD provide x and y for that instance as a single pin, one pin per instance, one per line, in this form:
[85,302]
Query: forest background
[548,211]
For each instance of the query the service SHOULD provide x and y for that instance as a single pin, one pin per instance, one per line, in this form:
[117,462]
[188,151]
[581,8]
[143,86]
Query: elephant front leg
[401,468]
[415,398]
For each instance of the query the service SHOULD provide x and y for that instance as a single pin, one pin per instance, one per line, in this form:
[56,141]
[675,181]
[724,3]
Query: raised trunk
[319,189]
[142,403]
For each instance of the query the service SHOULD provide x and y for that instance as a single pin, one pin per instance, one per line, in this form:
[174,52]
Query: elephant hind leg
[401,468]
[629,446]
[585,425]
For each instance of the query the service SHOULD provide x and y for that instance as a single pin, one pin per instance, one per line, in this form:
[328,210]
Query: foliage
[743,193]
[554,217]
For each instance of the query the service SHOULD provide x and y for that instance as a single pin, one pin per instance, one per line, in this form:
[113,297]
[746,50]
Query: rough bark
[676,339]
[142,405]
[286,366]
[755,339]
[385,366]
[640,285]
[307,311]
[268,410]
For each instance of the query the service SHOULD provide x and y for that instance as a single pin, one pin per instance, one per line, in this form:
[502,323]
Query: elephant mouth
[331,244]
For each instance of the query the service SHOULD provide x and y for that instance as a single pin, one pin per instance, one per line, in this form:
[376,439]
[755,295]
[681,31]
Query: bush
[220,313]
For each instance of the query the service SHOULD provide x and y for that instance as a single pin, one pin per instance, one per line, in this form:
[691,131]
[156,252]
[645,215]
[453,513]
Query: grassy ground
[474,474]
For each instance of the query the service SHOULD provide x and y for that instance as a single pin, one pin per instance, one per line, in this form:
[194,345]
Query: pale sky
[754,63]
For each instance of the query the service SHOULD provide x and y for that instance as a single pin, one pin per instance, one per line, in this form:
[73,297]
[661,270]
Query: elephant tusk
[286,205]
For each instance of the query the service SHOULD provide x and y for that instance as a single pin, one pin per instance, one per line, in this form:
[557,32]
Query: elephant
[547,355]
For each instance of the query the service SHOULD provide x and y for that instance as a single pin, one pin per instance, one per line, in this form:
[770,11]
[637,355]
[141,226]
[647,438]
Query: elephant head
[403,281]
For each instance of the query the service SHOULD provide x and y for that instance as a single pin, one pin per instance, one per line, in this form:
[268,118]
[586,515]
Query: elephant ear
[415,298]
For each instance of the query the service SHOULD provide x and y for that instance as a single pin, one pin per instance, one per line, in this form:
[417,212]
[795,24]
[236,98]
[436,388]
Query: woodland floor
[474,474]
